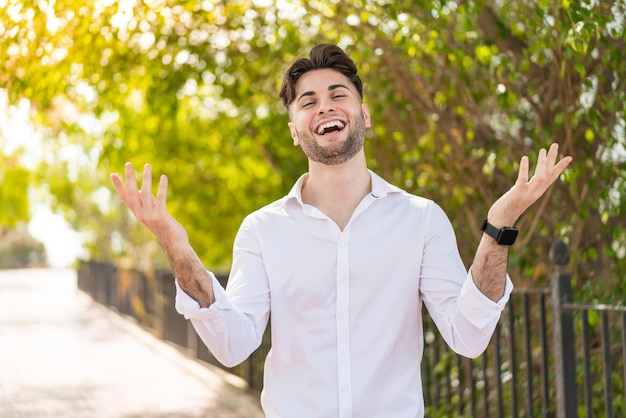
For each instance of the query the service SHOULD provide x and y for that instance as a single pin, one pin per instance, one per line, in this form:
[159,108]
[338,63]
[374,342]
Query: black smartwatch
[503,236]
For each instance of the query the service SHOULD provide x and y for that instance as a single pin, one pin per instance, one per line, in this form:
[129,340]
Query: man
[343,264]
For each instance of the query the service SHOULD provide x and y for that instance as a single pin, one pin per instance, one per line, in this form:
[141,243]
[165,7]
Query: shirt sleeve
[233,326]
[464,316]
[481,311]
[190,308]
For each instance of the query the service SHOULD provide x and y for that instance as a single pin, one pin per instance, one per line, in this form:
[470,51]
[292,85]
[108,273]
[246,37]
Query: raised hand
[508,208]
[150,210]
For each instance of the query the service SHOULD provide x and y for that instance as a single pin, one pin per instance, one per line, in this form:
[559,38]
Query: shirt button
[342,279]
[343,316]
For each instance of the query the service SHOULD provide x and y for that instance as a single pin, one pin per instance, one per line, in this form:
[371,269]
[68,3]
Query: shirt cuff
[190,308]
[478,308]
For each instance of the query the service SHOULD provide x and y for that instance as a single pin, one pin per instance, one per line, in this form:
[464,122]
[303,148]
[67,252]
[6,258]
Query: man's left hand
[510,206]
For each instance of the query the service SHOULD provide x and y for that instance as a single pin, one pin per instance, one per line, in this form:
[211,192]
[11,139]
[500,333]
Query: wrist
[502,235]
[501,220]
[172,239]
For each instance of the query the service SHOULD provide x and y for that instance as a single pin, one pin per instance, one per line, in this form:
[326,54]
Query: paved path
[63,355]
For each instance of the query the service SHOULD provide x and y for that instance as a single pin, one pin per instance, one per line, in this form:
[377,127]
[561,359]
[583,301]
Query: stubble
[337,152]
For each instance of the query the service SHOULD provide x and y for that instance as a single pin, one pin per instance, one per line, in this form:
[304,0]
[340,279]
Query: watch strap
[503,236]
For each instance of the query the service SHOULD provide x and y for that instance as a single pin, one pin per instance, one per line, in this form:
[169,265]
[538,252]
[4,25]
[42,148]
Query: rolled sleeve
[190,308]
[477,308]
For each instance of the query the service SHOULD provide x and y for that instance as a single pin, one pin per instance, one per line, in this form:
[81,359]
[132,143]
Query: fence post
[563,333]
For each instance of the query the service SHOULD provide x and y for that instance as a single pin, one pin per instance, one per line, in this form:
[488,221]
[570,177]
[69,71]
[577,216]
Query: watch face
[507,236]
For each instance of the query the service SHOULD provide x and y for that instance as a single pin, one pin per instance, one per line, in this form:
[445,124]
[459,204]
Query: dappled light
[458,93]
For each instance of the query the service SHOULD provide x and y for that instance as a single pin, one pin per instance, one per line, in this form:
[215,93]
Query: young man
[343,263]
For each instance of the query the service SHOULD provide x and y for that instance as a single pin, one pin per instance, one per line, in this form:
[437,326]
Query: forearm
[489,268]
[191,274]
[490,263]
[151,211]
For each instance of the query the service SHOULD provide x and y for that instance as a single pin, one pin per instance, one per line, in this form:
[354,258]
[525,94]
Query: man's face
[328,119]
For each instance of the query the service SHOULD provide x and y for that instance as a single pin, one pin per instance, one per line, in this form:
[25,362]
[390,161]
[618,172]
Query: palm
[508,208]
[149,209]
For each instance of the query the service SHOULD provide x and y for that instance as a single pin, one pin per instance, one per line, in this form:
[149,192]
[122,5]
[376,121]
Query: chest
[314,264]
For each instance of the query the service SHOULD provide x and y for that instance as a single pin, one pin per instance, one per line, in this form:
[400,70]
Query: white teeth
[334,124]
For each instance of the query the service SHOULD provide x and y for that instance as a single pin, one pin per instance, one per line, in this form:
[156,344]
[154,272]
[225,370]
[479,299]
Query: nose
[326,106]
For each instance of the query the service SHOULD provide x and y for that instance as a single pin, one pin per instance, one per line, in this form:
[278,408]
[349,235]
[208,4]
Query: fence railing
[548,357]
[510,379]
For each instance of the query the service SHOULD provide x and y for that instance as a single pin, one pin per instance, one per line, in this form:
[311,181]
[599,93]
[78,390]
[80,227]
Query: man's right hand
[151,211]
[148,209]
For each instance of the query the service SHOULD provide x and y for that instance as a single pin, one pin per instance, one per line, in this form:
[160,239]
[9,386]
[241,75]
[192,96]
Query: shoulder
[429,211]
[275,216]
[396,195]
[268,211]
[408,205]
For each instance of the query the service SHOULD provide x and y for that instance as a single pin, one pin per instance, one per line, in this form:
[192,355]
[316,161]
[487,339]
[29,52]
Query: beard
[337,152]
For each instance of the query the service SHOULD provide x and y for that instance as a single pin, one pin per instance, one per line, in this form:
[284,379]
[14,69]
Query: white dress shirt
[347,336]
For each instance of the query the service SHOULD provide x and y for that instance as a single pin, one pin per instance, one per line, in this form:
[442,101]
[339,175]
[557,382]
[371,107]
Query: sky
[63,245]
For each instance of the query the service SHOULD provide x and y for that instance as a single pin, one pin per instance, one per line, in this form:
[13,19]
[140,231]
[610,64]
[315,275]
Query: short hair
[322,56]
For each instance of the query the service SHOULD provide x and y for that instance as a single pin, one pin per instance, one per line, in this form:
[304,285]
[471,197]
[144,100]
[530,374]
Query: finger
[561,166]
[553,153]
[131,186]
[161,193]
[118,183]
[522,176]
[540,170]
[146,187]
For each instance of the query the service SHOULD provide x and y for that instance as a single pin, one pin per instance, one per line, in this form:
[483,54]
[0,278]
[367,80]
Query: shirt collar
[380,188]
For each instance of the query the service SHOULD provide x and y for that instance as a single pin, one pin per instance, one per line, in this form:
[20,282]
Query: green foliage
[458,92]
[14,182]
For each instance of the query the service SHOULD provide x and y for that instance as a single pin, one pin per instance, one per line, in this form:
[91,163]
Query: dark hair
[321,56]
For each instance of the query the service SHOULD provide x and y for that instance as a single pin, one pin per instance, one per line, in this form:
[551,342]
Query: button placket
[343,325]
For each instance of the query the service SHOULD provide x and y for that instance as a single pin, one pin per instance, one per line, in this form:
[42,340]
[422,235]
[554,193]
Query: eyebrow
[330,88]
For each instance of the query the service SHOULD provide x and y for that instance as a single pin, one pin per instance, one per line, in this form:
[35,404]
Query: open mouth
[330,127]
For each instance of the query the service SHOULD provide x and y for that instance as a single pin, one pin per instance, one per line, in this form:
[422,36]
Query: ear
[366,115]
[294,134]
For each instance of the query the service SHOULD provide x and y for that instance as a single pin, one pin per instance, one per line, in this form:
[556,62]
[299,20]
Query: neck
[337,190]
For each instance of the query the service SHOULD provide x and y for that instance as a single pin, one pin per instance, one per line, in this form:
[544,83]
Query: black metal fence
[511,378]
[548,357]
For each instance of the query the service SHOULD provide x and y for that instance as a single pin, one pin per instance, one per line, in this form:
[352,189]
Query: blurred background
[458,91]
